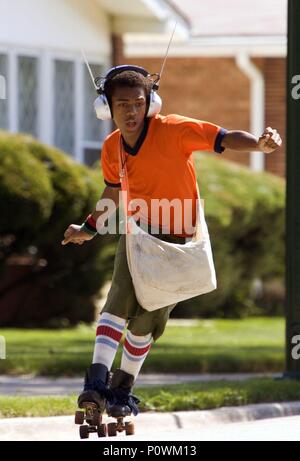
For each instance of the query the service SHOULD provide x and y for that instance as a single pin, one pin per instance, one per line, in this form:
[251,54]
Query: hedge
[245,215]
[42,191]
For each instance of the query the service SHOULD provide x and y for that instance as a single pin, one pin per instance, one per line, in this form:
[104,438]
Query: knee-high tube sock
[135,350]
[108,336]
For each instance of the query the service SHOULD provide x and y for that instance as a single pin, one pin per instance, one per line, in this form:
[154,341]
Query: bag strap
[123,174]
[199,229]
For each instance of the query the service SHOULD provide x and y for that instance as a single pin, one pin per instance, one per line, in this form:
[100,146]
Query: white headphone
[101,104]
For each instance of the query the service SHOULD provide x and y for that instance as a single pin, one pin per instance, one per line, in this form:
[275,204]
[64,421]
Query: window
[94,130]
[64,105]
[92,157]
[28,95]
[92,126]
[44,103]
[3,92]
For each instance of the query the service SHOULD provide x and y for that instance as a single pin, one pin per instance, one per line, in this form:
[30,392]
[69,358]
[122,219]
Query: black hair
[125,79]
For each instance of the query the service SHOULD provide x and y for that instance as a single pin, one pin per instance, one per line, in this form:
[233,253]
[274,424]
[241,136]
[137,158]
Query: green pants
[121,300]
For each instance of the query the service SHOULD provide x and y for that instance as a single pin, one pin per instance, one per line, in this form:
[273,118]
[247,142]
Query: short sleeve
[110,168]
[200,135]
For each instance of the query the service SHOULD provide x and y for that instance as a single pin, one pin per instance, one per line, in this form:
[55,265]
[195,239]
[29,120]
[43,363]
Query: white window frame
[85,144]
[13,53]
[45,117]
[79,143]
[7,82]
[71,58]
[37,56]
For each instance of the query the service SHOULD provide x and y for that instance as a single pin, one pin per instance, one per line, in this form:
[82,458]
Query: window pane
[27,95]
[64,105]
[92,157]
[3,92]
[93,128]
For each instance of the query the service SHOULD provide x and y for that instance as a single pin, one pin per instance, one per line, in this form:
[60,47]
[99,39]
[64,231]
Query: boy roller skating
[159,163]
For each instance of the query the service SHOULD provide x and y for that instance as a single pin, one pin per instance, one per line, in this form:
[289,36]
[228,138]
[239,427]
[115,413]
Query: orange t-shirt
[163,168]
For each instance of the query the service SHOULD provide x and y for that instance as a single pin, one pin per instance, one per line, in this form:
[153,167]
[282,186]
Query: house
[231,70]
[49,92]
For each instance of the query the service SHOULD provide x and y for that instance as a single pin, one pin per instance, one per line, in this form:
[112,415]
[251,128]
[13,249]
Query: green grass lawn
[249,345]
[196,396]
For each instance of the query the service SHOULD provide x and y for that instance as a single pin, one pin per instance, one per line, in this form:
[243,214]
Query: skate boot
[93,401]
[122,403]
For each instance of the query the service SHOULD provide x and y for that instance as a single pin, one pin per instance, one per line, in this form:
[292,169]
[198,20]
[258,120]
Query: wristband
[91,221]
[89,226]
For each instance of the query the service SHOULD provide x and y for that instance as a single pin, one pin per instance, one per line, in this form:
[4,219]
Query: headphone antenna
[89,69]
[167,52]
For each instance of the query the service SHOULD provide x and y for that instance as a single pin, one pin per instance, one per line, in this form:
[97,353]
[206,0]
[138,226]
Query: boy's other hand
[269,141]
[74,235]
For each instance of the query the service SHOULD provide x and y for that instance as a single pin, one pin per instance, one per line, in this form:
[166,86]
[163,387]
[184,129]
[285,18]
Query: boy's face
[129,110]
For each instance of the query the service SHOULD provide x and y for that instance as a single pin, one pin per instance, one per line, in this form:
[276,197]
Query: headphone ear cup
[102,108]
[155,104]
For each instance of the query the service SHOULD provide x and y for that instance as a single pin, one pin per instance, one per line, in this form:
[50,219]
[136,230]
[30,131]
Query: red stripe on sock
[104,330]
[136,350]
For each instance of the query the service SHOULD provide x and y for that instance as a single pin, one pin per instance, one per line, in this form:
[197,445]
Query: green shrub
[27,195]
[42,191]
[245,217]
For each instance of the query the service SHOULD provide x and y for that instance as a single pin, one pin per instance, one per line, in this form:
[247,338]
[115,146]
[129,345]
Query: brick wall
[117,50]
[275,76]
[207,89]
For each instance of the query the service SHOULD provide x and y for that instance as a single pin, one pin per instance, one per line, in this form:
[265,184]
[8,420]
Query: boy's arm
[243,141]
[74,233]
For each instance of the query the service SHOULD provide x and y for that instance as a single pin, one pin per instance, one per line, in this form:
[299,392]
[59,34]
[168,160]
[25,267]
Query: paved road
[62,428]
[279,429]
[32,386]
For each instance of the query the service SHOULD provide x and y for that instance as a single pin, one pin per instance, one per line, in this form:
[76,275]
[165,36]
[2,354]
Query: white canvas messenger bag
[165,273]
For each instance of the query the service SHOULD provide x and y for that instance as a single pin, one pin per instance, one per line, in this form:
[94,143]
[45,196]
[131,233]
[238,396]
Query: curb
[63,428]
[226,415]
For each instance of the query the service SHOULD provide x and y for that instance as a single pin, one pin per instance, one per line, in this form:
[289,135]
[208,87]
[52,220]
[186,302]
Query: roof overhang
[145,16]
[265,46]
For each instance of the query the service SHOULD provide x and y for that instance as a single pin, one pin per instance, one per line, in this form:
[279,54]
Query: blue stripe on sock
[111,324]
[137,343]
[107,342]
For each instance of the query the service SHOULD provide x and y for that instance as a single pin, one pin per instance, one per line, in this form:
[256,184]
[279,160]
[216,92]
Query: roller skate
[92,401]
[121,404]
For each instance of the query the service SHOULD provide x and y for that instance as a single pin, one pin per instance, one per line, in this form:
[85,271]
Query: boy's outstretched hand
[269,141]
[74,235]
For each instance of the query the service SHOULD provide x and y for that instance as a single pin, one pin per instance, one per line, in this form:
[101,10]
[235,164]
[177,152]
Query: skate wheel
[102,430]
[112,429]
[79,417]
[84,432]
[129,428]
[96,419]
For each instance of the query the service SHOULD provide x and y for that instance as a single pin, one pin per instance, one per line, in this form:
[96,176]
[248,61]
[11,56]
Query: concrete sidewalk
[188,425]
[34,386]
